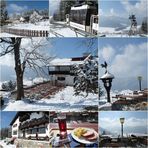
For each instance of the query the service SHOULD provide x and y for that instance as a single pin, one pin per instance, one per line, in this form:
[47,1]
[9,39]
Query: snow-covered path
[60,29]
[62,101]
[63,31]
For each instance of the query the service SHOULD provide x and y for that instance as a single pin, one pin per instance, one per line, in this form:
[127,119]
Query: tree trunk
[18,68]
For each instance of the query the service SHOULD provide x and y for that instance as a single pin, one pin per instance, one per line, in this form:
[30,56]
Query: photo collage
[73,73]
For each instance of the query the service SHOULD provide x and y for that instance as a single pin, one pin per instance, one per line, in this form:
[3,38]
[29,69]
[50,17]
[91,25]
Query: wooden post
[40,33]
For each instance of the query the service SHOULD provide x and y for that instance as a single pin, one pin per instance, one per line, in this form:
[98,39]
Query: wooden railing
[25,32]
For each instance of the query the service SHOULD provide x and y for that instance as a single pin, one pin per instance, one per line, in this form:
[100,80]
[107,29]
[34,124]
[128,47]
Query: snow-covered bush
[86,77]
[35,17]
[9,86]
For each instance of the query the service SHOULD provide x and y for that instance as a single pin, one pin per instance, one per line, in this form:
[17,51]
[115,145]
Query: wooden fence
[25,32]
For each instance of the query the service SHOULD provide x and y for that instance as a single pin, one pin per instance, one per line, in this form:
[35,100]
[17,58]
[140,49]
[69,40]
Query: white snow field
[116,32]
[63,100]
[42,25]
[4,145]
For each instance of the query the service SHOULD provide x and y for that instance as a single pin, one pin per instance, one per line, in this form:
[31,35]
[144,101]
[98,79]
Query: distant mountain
[106,132]
[117,22]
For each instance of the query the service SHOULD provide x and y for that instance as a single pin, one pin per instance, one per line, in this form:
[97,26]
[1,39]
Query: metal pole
[140,84]
[122,129]
[108,95]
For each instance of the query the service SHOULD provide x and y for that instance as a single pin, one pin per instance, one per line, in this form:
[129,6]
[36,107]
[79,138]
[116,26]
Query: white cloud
[7,60]
[126,63]
[28,44]
[140,7]
[100,12]
[17,8]
[112,12]
[115,123]
[131,62]
[107,53]
[53,5]
[131,124]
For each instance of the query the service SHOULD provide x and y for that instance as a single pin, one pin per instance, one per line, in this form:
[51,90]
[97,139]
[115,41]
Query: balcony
[60,72]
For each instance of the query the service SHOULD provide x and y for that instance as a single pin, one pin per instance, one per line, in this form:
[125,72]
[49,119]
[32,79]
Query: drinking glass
[62,125]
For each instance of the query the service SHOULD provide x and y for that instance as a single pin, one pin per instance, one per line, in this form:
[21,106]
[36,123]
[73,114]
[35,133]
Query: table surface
[70,126]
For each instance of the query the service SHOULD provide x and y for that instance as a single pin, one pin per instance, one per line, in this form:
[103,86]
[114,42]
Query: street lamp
[122,122]
[107,81]
[139,79]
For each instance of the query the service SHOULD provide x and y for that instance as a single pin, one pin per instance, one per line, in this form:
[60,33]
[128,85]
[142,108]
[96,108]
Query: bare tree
[24,57]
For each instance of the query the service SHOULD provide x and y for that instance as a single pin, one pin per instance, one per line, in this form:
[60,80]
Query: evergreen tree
[144,26]
[64,8]
[9,86]
[86,77]
[3,12]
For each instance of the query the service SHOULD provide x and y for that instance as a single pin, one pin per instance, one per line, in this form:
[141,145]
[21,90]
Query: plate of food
[85,135]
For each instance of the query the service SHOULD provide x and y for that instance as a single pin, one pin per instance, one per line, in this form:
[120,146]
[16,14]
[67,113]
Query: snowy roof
[107,76]
[64,62]
[80,7]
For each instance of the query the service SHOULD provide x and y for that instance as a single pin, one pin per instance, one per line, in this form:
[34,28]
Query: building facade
[31,125]
[61,70]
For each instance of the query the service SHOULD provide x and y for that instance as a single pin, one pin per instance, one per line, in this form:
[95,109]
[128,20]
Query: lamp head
[122,120]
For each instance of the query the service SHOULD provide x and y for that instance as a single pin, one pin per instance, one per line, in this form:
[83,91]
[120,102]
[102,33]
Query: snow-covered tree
[9,86]
[35,17]
[3,12]
[144,26]
[27,54]
[86,77]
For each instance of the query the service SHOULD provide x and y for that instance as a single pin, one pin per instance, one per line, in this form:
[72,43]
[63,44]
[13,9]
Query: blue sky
[71,47]
[19,6]
[6,118]
[106,5]
[135,122]
[125,114]
[127,59]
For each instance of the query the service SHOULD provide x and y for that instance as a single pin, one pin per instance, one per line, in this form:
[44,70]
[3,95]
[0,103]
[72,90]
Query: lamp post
[122,122]
[107,81]
[139,80]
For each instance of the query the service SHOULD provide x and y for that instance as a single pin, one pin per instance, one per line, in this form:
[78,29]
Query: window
[61,78]
[29,131]
[14,132]
[34,131]
[42,130]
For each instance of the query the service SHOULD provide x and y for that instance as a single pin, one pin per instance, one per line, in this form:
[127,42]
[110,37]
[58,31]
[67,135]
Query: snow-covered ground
[104,105]
[4,145]
[36,80]
[8,35]
[60,28]
[63,100]
[117,32]
[42,25]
